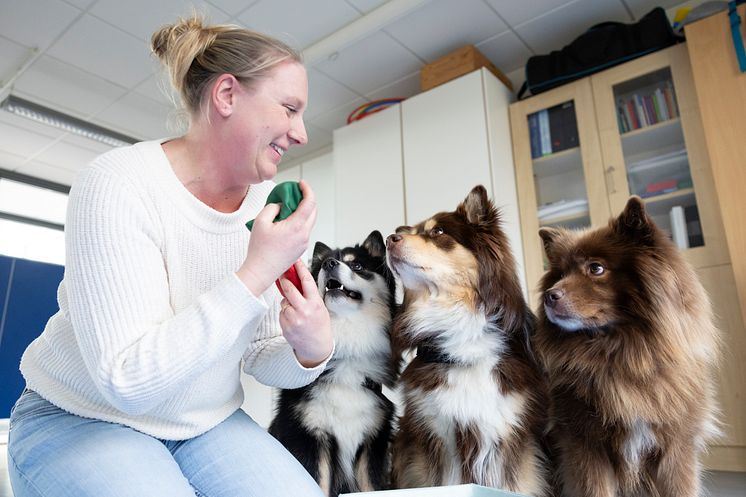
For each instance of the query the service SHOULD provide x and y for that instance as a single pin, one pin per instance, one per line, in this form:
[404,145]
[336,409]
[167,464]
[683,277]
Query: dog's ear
[374,244]
[477,207]
[548,237]
[320,251]
[634,221]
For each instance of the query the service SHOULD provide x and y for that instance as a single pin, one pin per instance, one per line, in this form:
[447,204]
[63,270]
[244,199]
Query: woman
[133,387]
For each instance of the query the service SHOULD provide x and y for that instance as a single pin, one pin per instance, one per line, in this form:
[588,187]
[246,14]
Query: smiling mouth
[280,151]
[334,287]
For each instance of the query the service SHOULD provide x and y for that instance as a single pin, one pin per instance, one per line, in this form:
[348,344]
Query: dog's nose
[552,295]
[330,264]
[394,238]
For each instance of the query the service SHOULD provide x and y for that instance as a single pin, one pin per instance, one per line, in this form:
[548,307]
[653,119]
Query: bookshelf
[655,149]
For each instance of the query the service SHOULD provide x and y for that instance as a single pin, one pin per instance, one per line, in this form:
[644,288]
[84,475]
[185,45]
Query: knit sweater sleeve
[271,359]
[135,347]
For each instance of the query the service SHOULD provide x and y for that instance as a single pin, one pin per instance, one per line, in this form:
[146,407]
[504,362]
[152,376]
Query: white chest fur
[349,413]
[640,442]
[470,397]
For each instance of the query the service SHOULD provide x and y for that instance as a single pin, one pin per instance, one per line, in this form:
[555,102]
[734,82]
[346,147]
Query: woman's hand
[274,247]
[305,321]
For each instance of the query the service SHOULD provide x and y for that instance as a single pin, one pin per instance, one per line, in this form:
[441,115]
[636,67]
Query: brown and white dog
[473,397]
[627,338]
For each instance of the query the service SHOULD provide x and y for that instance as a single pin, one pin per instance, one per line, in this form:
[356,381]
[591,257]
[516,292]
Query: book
[546,143]
[679,231]
[534,135]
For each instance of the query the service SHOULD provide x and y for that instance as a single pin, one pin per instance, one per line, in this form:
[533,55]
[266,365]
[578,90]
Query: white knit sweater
[153,322]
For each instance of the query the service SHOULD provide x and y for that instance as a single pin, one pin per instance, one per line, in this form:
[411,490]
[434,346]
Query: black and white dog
[340,426]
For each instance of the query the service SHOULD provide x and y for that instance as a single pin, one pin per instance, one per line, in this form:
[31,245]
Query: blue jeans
[54,453]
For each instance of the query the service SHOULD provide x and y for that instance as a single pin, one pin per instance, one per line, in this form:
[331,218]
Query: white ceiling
[90,58]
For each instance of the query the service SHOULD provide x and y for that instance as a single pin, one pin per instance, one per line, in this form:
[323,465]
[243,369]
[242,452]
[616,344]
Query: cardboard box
[447,491]
[464,60]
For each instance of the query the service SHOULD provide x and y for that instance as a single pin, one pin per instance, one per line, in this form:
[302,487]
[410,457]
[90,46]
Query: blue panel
[33,300]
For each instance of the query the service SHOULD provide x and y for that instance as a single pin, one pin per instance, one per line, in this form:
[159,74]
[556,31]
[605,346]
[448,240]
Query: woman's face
[270,120]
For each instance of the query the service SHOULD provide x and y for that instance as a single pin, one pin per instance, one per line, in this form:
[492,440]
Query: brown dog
[627,339]
[474,400]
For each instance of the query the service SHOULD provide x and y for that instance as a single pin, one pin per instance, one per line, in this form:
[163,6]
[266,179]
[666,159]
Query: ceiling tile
[506,51]
[338,117]
[299,24]
[466,22]
[155,87]
[52,82]
[66,156]
[12,57]
[137,116]
[370,63]
[104,50]
[81,141]
[515,12]
[324,94]
[128,16]
[81,4]
[366,6]
[19,141]
[36,23]
[233,7]
[554,30]
[11,161]
[406,87]
[48,172]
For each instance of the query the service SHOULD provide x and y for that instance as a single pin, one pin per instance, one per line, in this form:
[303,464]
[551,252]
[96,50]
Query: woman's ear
[223,95]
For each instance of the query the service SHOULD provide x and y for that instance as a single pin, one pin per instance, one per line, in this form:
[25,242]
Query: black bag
[602,46]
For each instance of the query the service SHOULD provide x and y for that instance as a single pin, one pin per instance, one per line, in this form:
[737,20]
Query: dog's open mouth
[334,286]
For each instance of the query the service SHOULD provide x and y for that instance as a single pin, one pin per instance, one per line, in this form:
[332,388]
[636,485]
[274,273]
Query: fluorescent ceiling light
[50,117]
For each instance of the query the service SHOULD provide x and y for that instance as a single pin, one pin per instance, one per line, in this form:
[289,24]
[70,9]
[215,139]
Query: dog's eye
[355,266]
[595,269]
[437,231]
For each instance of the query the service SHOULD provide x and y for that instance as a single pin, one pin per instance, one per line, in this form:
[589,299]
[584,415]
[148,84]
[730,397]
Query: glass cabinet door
[559,171]
[655,155]
[559,182]
[653,146]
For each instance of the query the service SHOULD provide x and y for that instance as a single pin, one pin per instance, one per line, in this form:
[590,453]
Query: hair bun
[169,37]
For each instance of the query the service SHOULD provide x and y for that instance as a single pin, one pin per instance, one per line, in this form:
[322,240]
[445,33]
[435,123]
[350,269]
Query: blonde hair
[195,55]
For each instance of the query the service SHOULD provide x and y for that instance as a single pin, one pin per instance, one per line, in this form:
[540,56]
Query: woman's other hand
[305,321]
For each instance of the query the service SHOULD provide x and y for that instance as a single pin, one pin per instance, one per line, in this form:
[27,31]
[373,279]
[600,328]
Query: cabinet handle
[610,179]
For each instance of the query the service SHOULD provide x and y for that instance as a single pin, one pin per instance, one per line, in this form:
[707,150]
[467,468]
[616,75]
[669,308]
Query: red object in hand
[292,276]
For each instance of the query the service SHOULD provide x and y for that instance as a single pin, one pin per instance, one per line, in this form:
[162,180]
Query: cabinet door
[559,173]
[319,173]
[653,146]
[369,188]
[445,142]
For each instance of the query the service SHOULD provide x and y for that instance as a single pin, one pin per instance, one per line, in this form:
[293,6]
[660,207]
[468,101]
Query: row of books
[553,130]
[644,109]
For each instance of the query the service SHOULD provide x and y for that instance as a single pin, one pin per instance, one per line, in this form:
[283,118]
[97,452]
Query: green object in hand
[288,195]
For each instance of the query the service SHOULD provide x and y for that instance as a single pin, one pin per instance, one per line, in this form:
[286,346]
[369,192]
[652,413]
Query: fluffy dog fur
[473,396]
[627,339]
[339,427]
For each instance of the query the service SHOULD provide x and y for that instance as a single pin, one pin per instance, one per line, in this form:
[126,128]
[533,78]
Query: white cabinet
[406,163]
[368,186]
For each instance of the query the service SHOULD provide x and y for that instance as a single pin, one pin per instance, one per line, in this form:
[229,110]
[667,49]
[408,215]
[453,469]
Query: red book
[661,186]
